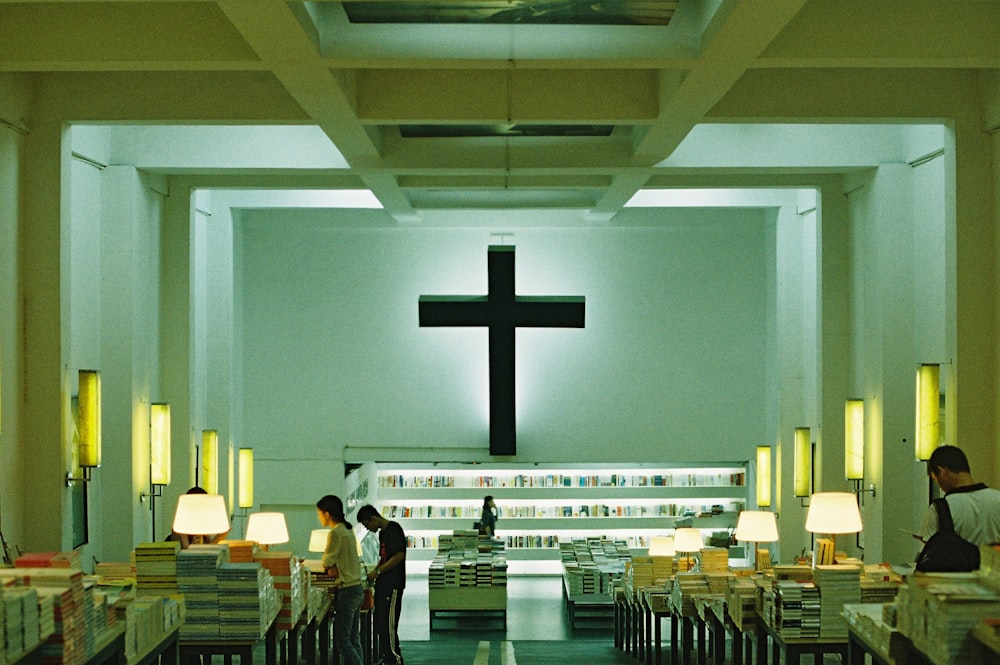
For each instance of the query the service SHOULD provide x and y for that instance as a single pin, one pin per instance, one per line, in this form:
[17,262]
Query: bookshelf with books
[541,505]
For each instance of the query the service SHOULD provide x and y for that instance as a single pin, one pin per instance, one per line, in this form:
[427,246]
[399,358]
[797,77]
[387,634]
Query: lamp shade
[210,460]
[928,429]
[688,540]
[763,476]
[89,425]
[267,528]
[662,546]
[802,478]
[246,478]
[854,439]
[317,540]
[757,526]
[201,515]
[833,513]
[159,445]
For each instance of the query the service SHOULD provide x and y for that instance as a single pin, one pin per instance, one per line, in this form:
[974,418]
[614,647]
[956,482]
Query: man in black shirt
[390,580]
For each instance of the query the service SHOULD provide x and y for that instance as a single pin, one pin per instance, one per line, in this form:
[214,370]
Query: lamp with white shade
[318,539]
[662,546]
[267,529]
[201,515]
[687,541]
[833,513]
[757,526]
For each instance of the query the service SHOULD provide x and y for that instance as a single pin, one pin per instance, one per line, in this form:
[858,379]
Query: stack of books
[685,587]
[838,584]
[741,595]
[292,583]
[156,568]
[944,612]
[796,609]
[242,551]
[197,579]
[68,644]
[143,624]
[714,560]
[823,553]
[20,624]
[591,566]
[115,573]
[49,560]
[639,573]
[248,601]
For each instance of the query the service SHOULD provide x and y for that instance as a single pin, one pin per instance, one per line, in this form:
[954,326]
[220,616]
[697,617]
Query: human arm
[388,564]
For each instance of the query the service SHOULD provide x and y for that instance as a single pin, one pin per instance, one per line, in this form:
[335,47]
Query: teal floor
[537,633]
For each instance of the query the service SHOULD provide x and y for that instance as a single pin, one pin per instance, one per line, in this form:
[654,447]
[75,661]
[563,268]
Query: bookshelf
[543,504]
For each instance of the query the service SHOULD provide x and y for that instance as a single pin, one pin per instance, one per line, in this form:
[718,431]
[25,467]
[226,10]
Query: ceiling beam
[280,38]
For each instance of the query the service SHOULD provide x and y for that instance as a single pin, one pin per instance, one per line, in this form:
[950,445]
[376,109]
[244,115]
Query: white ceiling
[291,95]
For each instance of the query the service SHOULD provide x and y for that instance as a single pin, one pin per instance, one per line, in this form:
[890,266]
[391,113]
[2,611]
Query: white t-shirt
[975,510]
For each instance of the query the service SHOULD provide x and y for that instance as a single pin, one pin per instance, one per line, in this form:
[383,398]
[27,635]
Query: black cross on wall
[502,311]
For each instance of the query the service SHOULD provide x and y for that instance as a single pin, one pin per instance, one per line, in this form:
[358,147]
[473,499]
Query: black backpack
[946,551]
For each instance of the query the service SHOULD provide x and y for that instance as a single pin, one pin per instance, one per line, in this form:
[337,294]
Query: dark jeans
[388,603]
[347,624]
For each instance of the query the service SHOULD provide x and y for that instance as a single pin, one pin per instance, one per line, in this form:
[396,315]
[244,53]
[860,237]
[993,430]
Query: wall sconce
[763,476]
[757,526]
[88,425]
[687,541]
[928,429]
[246,478]
[159,456]
[854,445]
[802,478]
[267,529]
[832,513]
[201,515]
[210,460]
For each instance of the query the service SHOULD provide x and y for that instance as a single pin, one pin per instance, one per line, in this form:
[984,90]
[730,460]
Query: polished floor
[538,631]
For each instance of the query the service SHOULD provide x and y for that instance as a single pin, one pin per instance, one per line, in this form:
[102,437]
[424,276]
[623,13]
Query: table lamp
[756,526]
[832,513]
[662,546]
[686,541]
[267,529]
[201,515]
[318,538]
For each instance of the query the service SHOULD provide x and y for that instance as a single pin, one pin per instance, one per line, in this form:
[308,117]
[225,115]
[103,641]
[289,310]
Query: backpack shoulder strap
[945,523]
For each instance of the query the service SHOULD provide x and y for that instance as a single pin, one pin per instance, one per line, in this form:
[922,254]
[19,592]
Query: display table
[206,649]
[110,647]
[164,652]
[463,601]
[792,649]
[583,605]
[658,602]
[315,632]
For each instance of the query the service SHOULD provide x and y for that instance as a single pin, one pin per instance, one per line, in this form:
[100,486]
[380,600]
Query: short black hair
[948,457]
[366,512]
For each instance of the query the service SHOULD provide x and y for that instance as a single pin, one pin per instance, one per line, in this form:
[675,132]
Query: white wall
[670,366]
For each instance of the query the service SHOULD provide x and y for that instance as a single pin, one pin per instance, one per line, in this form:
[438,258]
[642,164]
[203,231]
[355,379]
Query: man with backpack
[972,508]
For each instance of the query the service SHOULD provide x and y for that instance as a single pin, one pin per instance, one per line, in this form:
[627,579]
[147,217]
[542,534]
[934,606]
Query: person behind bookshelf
[490,515]
[390,581]
[974,507]
[340,560]
[188,540]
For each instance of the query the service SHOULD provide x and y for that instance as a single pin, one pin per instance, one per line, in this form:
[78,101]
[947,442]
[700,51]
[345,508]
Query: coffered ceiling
[500,103]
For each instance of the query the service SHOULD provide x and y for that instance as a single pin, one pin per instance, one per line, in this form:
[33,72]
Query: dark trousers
[388,603]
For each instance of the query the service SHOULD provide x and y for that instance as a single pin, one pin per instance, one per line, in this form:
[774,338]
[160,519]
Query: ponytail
[333,506]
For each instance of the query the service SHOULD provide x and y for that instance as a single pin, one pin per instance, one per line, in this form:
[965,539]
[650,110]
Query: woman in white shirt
[340,559]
